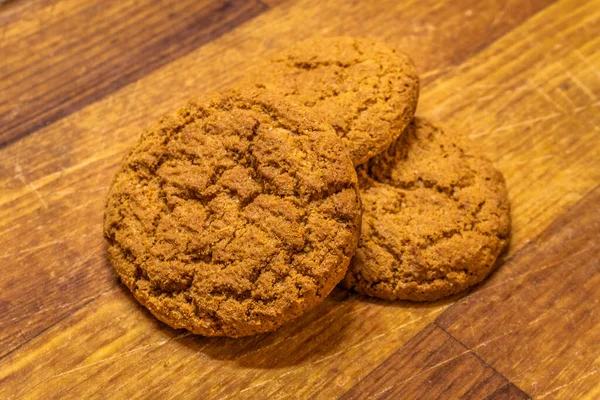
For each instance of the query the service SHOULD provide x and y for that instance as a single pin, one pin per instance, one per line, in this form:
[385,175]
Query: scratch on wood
[434,367]
[121,355]
[434,72]
[527,122]
[11,228]
[75,190]
[535,271]
[561,387]
[246,389]
[544,315]
[19,175]
[581,86]
[373,338]
[47,179]
[540,317]
[255,386]
[449,100]
[567,98]
[509,98]
[387,389]
[591,65]
[562,371]
[472,330]
[580,377]
[359,309]
[467,122]
[476,135]
[579,109]
[30,249]
[484,85]
[543,94]
[468,351]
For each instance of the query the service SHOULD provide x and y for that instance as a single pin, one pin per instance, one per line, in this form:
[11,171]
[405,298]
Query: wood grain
[96,47]
[522,100]
[12,10]
[537,321]
[333,338]
[57,178]
[433,365]
[533,324]
[520,78]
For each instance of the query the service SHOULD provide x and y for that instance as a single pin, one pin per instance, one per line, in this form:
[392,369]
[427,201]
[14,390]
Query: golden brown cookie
[233,215]
[435,217]
[366,90]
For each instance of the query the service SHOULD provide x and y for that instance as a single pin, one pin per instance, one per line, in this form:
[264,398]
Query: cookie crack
[308,65]
[421,281]
[449,190]
[381,242]
[180,195]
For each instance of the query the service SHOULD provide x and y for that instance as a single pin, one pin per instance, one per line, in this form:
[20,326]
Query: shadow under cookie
[313,336]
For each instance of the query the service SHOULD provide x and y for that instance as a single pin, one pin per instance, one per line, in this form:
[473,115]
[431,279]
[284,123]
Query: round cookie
[435,217]
[366,90]
[233,215]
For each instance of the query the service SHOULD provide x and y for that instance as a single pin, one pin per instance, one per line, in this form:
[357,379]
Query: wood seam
[68,315]
[470,351]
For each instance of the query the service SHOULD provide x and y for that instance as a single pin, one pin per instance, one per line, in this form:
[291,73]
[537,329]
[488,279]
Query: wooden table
[78,79]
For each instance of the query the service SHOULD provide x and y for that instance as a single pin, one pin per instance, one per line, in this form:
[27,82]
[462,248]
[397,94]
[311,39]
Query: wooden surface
[79,78]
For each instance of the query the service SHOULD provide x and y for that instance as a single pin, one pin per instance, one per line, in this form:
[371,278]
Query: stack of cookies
[245,208]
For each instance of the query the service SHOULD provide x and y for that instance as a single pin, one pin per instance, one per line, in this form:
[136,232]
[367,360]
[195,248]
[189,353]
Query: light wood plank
[532,101]
[434,365]
[537,322]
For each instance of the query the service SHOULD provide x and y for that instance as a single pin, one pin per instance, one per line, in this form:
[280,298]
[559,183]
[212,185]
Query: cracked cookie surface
[233,215]
[366,90]
[435,217]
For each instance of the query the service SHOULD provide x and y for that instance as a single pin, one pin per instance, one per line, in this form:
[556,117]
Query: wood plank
[532,102]
[54,182]
[537,321]
[434,365]
[364,333]
[552,282]
[332,339]
[72,53]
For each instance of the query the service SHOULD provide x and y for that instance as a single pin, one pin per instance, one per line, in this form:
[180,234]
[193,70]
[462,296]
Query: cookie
[435,217]
[366,90]
[233,215]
